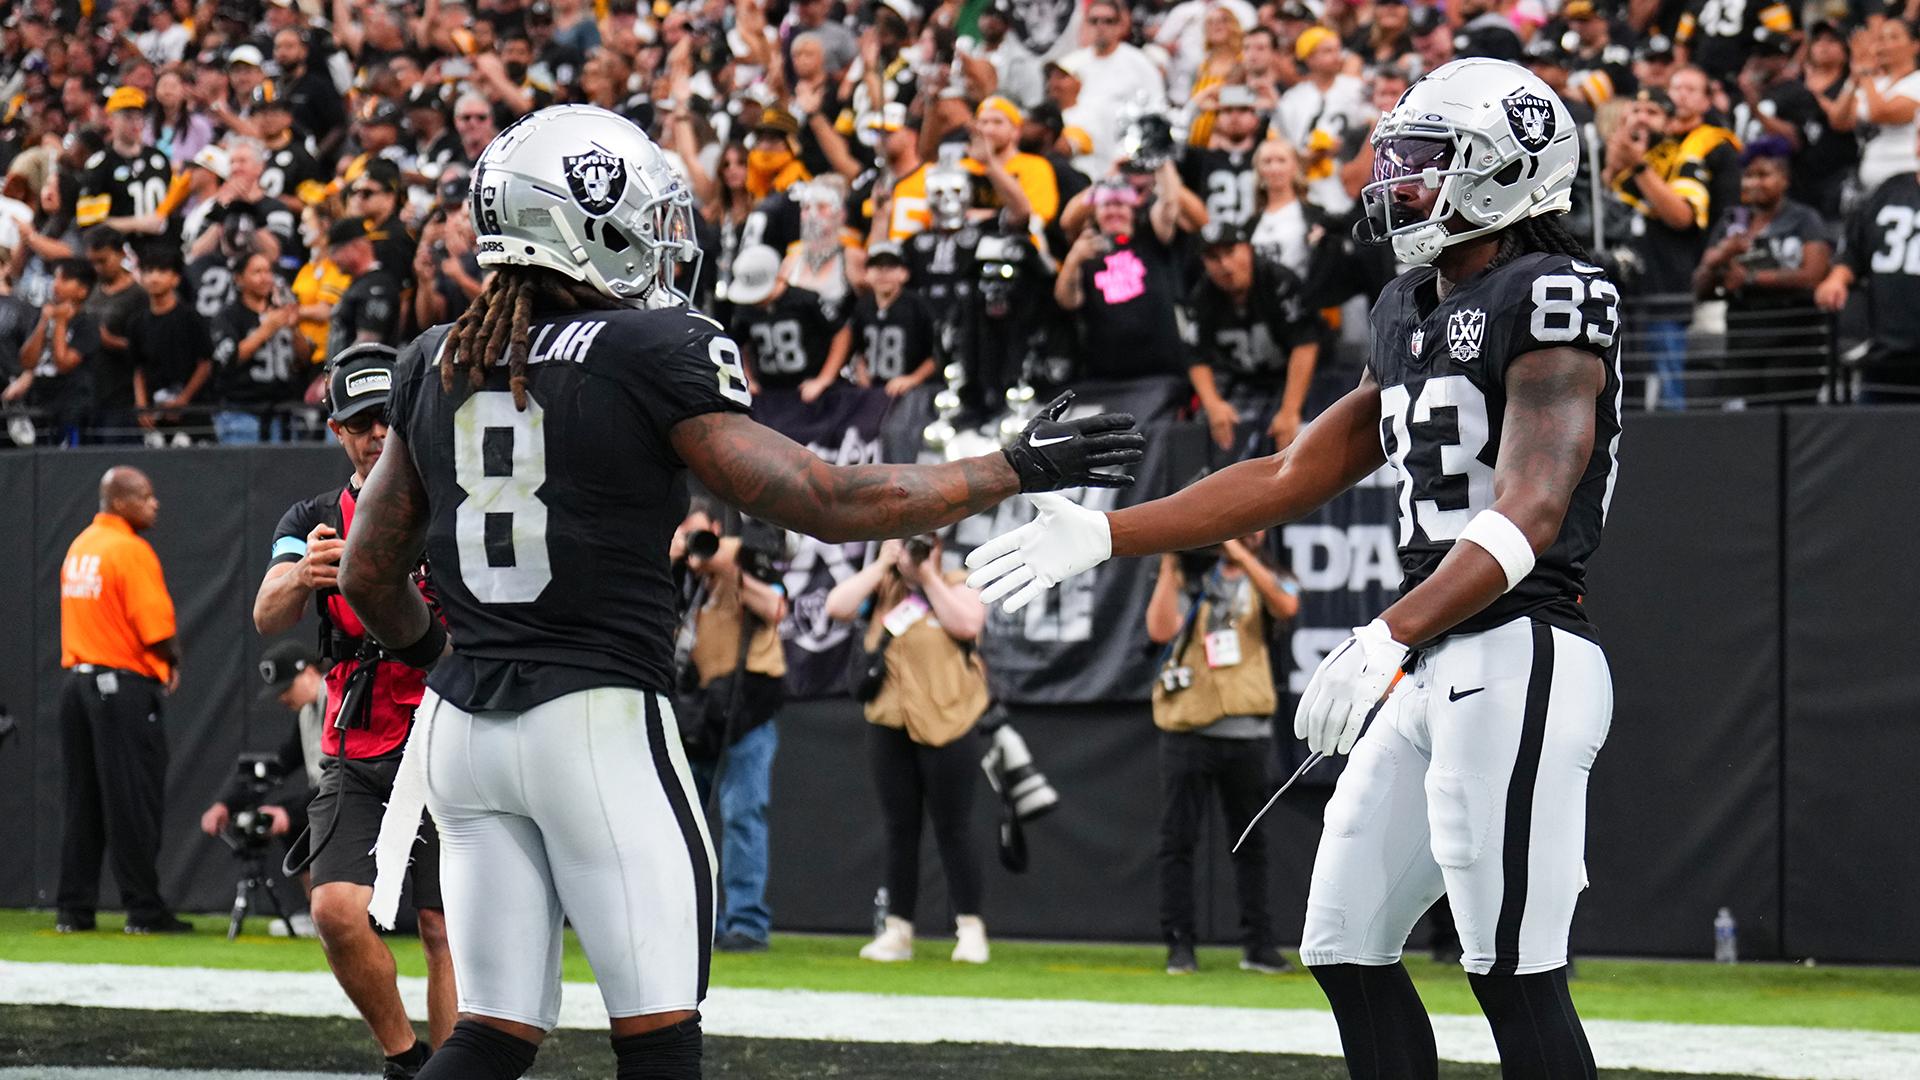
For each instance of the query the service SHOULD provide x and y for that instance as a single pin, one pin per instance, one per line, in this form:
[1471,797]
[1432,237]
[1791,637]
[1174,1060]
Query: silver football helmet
[1490,137]
[582,191]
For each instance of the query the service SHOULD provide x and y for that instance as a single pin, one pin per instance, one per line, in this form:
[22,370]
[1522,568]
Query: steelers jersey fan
[121,181]
[1441,363]
[591,459]
[1720,33]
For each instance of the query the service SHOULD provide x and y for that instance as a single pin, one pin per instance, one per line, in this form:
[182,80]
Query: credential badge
[1531,118]
[597,179]
[1464,331]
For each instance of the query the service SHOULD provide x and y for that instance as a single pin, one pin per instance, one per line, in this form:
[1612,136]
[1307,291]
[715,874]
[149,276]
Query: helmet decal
[597,180]
[1531,118]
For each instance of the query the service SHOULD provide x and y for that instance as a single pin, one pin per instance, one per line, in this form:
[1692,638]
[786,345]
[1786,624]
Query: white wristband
[1503,540]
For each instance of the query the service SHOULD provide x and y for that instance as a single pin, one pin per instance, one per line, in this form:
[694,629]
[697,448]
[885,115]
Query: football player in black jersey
[1493,391]
[538,455]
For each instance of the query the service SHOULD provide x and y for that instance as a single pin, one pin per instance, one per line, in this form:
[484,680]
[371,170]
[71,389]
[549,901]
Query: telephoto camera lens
[1010,769]
[703,544]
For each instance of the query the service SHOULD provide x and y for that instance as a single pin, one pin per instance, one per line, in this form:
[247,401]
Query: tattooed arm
[389,531]
[1545,443]
[770,476]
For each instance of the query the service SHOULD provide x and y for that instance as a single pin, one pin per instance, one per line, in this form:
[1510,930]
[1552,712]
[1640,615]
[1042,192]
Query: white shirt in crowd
[1107,84]
[1283,234]
[1183,33]
[1890,150]
[1342,108]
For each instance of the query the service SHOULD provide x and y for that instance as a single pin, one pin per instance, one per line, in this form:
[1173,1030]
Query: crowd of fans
[205,200]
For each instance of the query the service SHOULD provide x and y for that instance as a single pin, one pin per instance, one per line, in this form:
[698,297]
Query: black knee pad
[1535,1026]
[1383,1024]
[670,1053]
[477,1052]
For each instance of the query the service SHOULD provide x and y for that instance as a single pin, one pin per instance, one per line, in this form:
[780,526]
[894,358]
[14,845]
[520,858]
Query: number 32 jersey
[548,529]
[1442,366]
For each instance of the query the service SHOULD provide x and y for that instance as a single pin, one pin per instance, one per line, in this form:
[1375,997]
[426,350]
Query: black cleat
[73,922]
[407,1064]
[1180,959]
[1266,960]
[165,924]
[734,941]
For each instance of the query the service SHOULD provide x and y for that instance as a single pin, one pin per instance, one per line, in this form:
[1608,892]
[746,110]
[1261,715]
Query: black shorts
[355,792]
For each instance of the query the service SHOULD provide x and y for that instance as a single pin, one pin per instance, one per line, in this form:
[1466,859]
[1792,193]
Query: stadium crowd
[205,201]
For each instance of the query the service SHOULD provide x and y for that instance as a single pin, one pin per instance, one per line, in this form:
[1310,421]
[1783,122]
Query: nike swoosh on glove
[1346,687]
[1064,540]
[1053,453]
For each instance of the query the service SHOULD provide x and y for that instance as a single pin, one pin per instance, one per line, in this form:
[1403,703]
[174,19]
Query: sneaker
[1180,959]
[73,922]
[971,948]
[894,944]
[299,924]
[736,942]
[165,924]
[1266,960]
[408,1065]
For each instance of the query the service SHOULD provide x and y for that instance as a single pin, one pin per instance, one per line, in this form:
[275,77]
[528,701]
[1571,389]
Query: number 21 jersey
[548,529]
[1442,367]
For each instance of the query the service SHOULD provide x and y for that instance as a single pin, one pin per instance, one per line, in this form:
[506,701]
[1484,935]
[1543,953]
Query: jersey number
[1460,464]
[1902,253]
[886,351]
[500,461]
[147,195]
[1557,299]
[1230,194]
[777,348]
[733,376]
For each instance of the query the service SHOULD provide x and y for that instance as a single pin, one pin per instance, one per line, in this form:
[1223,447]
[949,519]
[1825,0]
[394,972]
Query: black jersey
[274,373]
[786,342]
[1442,365]
[1248,344]
[548,529]
[895,341]
[370,304]
[1720,33]
[1224,179]
[117,186]
[291,171]
[208,285]
[1882,248]
[942,265]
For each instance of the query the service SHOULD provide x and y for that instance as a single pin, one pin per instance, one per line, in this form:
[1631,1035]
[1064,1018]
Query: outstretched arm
[1545,443]
[389,531]
[1338,450]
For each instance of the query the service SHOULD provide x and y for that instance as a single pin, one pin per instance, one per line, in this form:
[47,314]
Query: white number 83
[1557,309]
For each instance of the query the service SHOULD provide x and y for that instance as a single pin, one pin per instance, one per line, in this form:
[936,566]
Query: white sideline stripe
[1794,1053]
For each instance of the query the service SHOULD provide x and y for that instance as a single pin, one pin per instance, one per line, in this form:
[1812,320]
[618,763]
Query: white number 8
[514,495]
[1557,318]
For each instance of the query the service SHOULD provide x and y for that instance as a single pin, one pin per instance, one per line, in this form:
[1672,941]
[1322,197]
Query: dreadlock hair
[1546,234]
[496,322]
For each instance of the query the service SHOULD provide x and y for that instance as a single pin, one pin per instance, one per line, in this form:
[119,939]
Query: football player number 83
[1557,309]
[500,461]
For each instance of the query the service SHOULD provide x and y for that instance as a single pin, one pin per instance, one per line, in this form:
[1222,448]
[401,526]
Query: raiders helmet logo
[1531,118]
[597,179]
[1465,329]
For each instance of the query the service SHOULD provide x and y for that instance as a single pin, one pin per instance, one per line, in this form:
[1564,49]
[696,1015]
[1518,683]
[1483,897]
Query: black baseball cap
[381,111]
[1656,47]
[281,664]
[886,253]
[347,230]
[1222,233]
[269,95]
[360,378]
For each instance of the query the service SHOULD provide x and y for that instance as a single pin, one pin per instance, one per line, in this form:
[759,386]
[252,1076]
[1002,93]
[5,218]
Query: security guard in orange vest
[117,643]
[1214,702]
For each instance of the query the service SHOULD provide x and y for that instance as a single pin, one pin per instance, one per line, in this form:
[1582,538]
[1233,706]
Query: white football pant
[1472,782]
[581,807]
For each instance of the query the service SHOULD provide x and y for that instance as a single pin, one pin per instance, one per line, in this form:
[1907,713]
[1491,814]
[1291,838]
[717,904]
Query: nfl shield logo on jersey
[1419,339]
[597,180]
[1531,119]
[1464,331]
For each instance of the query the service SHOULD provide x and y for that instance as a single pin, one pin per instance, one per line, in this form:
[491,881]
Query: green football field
[1864,998]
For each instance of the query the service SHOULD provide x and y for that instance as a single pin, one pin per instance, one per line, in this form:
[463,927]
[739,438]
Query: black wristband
[423,653]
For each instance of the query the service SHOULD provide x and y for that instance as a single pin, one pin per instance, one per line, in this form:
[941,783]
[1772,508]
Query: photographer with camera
[267,800]
[920,678]
[1214,703]
[731,662]
[369,713]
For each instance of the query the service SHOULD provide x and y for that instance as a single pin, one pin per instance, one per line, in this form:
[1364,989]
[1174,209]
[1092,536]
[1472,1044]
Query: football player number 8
[501,524]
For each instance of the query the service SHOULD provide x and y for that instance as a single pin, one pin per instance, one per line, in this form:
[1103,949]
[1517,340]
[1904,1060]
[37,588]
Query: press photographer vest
[936,687]
[1241,689]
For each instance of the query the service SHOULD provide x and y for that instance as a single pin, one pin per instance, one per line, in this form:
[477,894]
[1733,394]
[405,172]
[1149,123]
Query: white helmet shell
[1490,136]
[582,191]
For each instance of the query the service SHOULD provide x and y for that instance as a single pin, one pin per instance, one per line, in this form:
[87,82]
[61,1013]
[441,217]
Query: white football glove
[1062,541]
[1346,686]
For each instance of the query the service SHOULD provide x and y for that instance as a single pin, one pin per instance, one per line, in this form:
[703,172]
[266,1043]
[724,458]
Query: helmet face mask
[583,192]
[1472,147]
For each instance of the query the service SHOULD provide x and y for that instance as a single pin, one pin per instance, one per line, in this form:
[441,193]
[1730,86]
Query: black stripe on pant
[941,782]
[115,753]
[1519,815]
[683,813]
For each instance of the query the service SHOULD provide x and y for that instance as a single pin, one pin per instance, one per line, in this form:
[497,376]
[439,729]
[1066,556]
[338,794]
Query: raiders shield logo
[1464,332]
[1531,118]
[597,180]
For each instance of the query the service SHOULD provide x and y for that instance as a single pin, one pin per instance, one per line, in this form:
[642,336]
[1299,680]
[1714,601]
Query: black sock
[1535,1026]
[669,1053]
[1383,1026]
[413,1056]
[477,1052]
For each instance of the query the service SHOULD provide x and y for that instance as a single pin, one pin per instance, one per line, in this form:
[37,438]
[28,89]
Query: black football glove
[1053,454]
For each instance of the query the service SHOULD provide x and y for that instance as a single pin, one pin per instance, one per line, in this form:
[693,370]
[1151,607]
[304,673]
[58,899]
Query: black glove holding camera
[1052,454]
